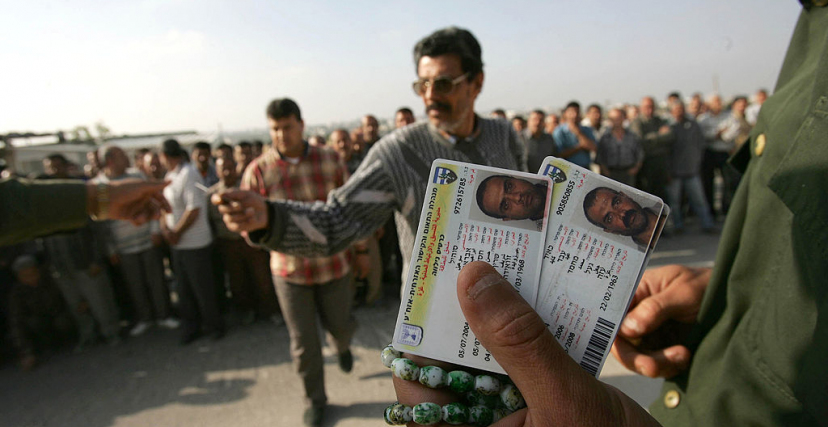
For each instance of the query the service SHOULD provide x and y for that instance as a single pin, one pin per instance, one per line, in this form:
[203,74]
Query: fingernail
[483,283]
[678,357]
[632,325]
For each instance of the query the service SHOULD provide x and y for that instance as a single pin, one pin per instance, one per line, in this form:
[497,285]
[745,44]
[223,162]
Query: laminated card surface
[471,213]
[599,239]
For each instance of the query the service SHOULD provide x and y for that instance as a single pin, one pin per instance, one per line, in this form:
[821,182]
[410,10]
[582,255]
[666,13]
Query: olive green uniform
[761,345]
[32,208]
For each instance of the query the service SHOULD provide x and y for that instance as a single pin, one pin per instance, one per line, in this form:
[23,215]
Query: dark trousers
[144,274]
[712,162]
[654,176]
[300,306]
[196,290]
[36,333]
[248,273]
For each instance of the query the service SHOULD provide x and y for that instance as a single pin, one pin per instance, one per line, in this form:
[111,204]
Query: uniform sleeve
[351,212]
[31,208]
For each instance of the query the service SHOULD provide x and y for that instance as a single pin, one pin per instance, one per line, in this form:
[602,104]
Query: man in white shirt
[187,230]
[752,112]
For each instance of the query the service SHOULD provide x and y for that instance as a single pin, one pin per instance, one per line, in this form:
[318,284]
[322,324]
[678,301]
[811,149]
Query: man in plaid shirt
[295,170]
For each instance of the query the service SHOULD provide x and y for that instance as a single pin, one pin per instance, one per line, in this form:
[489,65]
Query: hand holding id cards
[579,276]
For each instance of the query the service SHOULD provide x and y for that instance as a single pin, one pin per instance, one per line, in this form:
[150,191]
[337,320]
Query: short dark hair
[591,106]
[674,95]
[201,145]
[499,111]
[518,117]
[260,144]
[451,41]
[171,148]
[139,153]
[589,200]
[539,111]
[404,110]
[738,98]
[224,146]
[244,144]
[58,157]
[481,192]
[573,104]
[282,108]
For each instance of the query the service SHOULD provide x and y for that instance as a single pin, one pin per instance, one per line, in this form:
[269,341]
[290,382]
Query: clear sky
[161,65]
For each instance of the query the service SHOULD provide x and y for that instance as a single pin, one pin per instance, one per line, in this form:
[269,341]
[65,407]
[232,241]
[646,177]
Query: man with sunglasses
[393,177]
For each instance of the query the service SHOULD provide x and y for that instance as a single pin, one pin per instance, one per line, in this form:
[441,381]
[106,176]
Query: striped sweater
[391,180]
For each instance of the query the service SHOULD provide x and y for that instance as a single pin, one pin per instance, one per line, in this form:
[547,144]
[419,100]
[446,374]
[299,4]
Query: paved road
[246,379]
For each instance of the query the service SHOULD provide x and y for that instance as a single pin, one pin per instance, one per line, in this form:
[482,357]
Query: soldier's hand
[132,200]
[663,309]
[557,391]
[241,210]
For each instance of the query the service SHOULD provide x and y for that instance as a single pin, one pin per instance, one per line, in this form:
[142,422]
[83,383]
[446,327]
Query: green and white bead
[405,369]
[388,355]
[487,384]
[460,381]
[511,398]
[398,414]
[433,377]
[480,416]
[427,413]
[455,413]
[474,398]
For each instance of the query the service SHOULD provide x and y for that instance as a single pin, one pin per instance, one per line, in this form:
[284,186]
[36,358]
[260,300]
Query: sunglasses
[439,86]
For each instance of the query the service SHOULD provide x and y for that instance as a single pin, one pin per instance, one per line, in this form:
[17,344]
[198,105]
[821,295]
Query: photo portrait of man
[617,213]
[509,198]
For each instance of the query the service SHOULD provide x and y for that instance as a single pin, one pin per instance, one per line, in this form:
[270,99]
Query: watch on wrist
[102,202]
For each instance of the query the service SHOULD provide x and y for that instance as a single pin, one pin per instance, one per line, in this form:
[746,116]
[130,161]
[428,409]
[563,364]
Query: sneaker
[168,323]
[313,415]
[139,329]
[346,361]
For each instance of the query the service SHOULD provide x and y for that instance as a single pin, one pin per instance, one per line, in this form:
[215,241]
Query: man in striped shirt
[393,177]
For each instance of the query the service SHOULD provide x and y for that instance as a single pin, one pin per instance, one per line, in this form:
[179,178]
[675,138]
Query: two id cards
[577,265]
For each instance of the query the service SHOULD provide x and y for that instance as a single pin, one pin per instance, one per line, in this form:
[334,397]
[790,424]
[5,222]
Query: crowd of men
[299,201]
[86,286]
[679,155]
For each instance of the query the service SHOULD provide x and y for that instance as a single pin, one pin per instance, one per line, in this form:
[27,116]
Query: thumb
[515,335]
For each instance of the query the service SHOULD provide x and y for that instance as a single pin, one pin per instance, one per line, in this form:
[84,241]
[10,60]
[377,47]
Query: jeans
[693,186]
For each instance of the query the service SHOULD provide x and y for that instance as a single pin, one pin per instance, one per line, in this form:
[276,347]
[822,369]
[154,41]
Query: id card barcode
[597,346]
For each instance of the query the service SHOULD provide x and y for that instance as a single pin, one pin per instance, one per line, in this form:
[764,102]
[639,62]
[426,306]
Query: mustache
[439,106]
[628,217]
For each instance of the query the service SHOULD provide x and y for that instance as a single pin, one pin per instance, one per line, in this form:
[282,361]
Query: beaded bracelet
[487,398]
